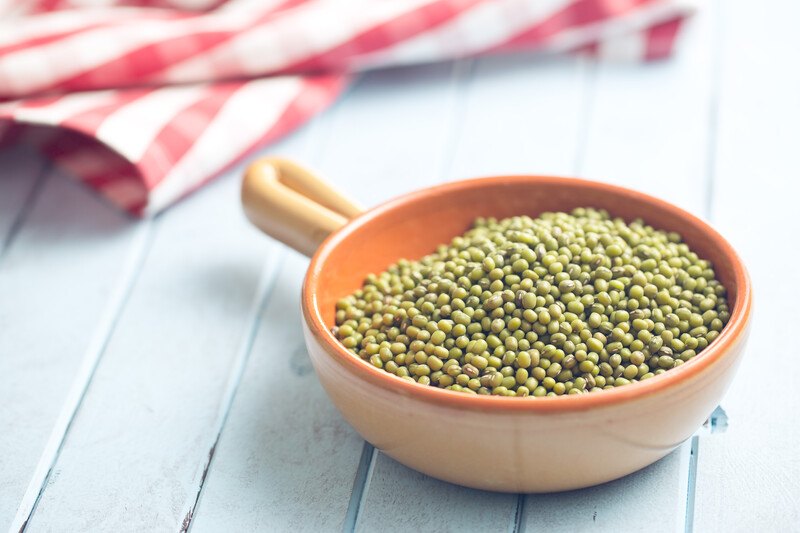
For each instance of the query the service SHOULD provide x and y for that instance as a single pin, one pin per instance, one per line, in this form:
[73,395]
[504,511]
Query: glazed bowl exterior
[501,443]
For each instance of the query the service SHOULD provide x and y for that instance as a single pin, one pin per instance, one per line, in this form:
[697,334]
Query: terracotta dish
[489,442]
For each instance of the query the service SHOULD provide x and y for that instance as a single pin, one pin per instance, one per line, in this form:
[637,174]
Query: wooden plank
[487,119]
[256,363]
[521,116]
[747,477]
[434,105]
[21,169]
[101,438]
[647,128]
[484,117]
[613,506]
[400,499]
[143,432]
[623,102]
[648,124]
[385,137]
[55,283]
[286,459]
[389,135]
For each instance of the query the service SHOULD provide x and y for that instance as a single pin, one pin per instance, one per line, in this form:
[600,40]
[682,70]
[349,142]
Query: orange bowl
[507,443]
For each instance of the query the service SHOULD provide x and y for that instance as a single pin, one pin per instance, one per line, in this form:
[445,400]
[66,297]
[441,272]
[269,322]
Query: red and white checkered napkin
[147,102]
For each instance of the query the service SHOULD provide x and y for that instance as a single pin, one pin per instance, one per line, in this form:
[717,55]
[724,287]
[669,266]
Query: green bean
[565,303]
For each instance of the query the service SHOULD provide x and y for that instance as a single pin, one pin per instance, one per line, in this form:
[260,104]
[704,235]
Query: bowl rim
[730,334]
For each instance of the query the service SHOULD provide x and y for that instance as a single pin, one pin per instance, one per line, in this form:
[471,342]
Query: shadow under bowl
[506,443]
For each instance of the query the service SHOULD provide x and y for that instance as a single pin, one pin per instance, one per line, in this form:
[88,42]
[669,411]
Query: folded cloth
[146,100]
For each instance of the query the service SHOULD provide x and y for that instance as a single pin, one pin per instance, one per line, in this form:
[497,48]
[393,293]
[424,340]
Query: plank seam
[80,385]
[319,130]
[518,524]
[27,205]
[692,484]
[461,76]
[684,453]
[316,128]
[715,90]
[366,465]
[589,73]
[269,275]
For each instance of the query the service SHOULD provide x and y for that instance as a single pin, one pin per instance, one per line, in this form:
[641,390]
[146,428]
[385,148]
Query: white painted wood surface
[747,479]
[56,277]
[156,392]
[151,377]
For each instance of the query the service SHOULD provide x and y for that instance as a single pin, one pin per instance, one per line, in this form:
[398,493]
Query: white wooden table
[153,376]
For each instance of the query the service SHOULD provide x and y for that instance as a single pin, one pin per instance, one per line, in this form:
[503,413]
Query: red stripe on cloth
[178,136]
[317,94]
[119,20]
[49,6]
[44,6]
[127,183]
[89,121]
[661,39]
[166,4]
[579,13]
[130,183]
[47,39]
[95,164]
[590,50]
[403,27]
[134,67]
[42,101]
[124,188]
[142,65]
[288,4]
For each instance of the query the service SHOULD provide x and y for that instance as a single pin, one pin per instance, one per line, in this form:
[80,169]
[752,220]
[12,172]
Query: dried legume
[565,303]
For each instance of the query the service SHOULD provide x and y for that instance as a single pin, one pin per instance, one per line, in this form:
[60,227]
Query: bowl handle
[291,204]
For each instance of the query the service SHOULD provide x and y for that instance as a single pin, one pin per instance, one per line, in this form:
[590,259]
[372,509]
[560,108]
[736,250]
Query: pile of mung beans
[565,303]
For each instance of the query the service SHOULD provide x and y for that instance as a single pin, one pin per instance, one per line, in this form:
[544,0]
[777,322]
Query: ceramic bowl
[488,442]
